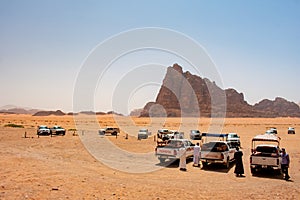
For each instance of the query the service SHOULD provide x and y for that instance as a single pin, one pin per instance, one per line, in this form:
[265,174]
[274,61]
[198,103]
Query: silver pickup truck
[171,149]
[57,130]
[265,153]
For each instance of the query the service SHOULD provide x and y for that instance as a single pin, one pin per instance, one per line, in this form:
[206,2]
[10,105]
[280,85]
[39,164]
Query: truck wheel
[278,172]
[227,164]
[204,164]
[253,171]
[162,160]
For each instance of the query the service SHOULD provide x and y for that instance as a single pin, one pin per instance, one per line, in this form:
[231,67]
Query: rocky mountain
[278,107]
[185,94]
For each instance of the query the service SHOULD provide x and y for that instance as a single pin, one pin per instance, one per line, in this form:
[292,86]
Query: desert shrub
[14,125]
[72,129]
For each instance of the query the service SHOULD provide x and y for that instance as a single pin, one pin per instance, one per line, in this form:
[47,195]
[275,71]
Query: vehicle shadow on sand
[268,174]
[173,163]
[218,167]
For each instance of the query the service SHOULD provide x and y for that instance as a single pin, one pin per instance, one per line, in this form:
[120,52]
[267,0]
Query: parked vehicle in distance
[265,153]
[195,135]
[57,130]
[271,130]
[291,130]
[216,151]
[43,130]
[102,131]
[143,134]
[176,135]
[109,130]
[171,150]
[233,139]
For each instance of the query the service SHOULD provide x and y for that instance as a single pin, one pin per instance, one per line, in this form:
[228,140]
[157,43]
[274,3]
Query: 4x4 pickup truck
[171,149]
[217,151]
[195,135]
[109,130]
[265,153]
[234,139]
[143,134]
[57,130]
[43,130]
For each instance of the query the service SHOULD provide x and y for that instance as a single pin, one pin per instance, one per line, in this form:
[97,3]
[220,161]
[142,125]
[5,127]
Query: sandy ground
[61,168]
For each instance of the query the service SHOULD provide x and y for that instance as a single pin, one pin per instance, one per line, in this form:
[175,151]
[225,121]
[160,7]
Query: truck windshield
[174,144]
[266,149]
[214,147]
[232,136]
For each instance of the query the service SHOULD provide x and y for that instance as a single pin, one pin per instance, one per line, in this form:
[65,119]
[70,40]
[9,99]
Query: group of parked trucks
[55,130]
[215,148]
[220,148]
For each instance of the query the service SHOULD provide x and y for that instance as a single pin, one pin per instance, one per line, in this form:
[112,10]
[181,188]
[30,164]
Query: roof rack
[214,135]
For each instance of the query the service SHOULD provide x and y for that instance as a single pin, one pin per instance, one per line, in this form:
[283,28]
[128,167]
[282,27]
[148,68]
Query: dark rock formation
[185,94]
[279,107]
[47,113]
[136,112]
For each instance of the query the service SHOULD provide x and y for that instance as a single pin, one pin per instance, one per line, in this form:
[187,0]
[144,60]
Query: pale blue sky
[254,44]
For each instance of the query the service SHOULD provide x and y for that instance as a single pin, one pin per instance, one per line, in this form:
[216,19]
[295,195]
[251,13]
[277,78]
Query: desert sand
[60,167]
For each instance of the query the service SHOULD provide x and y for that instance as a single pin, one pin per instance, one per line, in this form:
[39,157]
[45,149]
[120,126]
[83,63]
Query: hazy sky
[43,44]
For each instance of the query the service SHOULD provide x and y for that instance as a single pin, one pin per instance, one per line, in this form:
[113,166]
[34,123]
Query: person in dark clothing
[285,164]
[239,167]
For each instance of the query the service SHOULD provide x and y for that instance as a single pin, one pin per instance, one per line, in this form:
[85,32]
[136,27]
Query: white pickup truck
[216,149]
[265,153]
[57,130]
[171,149]
[217,152]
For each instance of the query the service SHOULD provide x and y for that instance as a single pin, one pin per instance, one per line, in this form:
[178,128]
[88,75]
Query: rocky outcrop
[185,94]
[278,107]
[136,112]
[48,113]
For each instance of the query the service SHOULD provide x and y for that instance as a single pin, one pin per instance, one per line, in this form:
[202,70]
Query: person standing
[285,163]
[196,156]
[182,156]
[239,167]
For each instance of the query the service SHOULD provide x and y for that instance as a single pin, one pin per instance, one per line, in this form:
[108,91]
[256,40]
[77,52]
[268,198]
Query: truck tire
[204,164]
[227,164]
[253,170]
[162,160]
[278,172]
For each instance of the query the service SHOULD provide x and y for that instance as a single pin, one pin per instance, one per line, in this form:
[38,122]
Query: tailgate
[166,151]
[267,161]
[212,155]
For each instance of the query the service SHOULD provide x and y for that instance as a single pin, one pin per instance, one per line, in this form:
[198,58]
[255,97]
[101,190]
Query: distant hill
[48,113]
[11,109]
[178,89]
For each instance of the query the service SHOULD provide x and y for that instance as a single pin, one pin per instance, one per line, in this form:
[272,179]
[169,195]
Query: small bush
[72,129]
[14,125]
